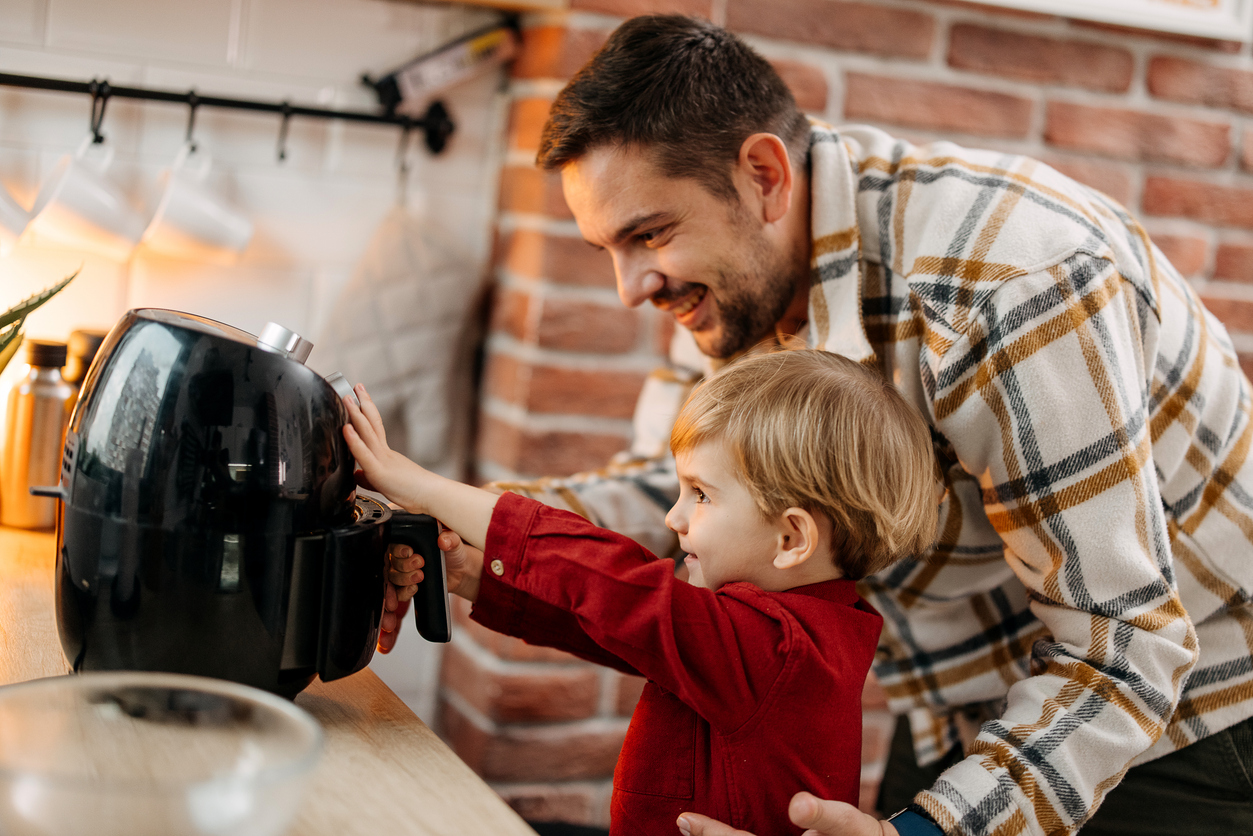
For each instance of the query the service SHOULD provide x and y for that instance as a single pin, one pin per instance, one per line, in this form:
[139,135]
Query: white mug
[13,220]
[79,207]
[191,221]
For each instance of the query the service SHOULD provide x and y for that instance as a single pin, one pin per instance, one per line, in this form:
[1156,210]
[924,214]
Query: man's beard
[750,302]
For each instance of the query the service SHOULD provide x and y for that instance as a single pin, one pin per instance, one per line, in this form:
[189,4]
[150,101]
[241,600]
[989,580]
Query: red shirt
[752,696]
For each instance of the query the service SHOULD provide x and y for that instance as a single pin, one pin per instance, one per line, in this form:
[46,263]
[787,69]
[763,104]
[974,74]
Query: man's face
[705,260]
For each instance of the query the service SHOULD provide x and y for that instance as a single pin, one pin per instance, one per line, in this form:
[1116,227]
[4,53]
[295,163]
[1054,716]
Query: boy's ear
[798,538]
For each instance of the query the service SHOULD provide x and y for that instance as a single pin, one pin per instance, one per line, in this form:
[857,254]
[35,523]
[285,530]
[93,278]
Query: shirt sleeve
[1046,396]
[719,653]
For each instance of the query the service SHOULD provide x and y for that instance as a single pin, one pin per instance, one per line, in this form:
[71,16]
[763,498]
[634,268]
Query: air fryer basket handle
[430,605]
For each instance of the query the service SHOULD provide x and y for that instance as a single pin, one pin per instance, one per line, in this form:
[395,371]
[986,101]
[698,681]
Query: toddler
[799,472]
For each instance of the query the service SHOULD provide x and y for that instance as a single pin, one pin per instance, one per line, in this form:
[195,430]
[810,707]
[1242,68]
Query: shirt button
[498,567]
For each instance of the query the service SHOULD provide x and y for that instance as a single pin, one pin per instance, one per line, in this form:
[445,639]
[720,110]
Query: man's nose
[637,282]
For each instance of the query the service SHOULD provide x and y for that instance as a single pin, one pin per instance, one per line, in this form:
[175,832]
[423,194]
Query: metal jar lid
[276,338]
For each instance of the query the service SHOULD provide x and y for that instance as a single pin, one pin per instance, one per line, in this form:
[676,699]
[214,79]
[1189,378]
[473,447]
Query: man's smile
[684,305]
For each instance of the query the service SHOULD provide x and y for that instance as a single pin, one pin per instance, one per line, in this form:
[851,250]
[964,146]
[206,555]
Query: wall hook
[402,164]
[193,102]
[284,109]
[99,98]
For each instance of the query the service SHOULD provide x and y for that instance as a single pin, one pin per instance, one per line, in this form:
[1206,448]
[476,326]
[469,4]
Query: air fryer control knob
[276,338]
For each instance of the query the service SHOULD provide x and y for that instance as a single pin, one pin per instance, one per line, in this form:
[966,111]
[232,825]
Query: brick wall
[1156,121]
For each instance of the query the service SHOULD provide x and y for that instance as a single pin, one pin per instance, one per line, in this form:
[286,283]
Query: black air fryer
[210,522]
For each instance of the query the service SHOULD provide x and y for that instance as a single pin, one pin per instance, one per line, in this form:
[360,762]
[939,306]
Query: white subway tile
[22,21]
[95,299]
[341,39]
[180,30]
[243,296]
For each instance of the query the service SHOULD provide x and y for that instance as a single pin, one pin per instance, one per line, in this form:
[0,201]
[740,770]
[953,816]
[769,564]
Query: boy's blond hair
[814,430]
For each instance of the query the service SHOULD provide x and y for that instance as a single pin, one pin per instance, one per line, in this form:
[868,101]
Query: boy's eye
[700,495]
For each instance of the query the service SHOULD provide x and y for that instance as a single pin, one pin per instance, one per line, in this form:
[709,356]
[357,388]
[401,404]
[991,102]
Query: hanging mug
[79,207]
[191,220]
[13,221]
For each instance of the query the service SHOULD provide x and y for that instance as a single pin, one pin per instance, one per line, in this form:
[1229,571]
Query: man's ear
[798,538]
[764,160]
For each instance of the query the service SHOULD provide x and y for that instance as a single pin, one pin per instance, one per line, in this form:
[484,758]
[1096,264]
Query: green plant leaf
[10,339]
[22,309]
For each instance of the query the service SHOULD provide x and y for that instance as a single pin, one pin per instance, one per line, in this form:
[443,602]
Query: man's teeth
[688,303]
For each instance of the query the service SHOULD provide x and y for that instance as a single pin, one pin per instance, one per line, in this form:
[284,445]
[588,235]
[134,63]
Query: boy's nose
[675,520]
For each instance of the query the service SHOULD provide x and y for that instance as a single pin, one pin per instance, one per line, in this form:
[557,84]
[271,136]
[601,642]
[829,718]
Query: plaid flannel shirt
[1089,586]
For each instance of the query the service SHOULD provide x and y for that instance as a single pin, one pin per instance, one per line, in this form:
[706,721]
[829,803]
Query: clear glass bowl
[150,754]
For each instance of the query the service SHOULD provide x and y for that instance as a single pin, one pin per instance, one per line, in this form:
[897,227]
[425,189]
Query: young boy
[800,471]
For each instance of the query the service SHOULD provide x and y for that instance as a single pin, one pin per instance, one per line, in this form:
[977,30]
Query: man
[1084,613]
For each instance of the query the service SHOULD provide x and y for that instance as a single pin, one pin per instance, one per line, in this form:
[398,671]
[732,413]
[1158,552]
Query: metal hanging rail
[435,123]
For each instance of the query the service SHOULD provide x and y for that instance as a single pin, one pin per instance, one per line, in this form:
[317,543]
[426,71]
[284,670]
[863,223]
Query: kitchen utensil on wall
[192,221]
[151,754]
[78,206]
[211,523]
[38,408]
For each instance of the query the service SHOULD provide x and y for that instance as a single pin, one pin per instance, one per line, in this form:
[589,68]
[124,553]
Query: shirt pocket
[659,753]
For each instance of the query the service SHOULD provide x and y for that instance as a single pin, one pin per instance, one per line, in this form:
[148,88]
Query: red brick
[1246,151]
[939,107]
[599,393]
[1113,179]
[1188,253]
[507,647]
[807,83]
[574,804]
[1158,35]
[526,121]
[1137,135]
[629,690]
[1195,82]
[551,389]
[1236,314]
[532,696]
[665,333]
[533,192]
[560,259]
[513,312]
[545,453]
[631,8]
[860,27]
[1206,202]
[575,325]
[1003,53]
[555,51]
[1234,263]
[548,753]
[985,10]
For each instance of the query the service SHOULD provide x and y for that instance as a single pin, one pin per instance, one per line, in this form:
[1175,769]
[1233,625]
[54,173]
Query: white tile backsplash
[22,21]
[174,30]
[314,214]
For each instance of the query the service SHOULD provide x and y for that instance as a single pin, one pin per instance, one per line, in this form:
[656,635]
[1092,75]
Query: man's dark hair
[687,90]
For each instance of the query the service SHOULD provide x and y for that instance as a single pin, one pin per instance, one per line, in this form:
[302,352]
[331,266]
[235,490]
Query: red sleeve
[565,583]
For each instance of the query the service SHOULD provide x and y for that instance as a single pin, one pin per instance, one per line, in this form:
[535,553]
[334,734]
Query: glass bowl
[150,754]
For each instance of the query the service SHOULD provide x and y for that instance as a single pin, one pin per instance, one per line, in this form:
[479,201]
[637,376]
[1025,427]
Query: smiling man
[1074,649]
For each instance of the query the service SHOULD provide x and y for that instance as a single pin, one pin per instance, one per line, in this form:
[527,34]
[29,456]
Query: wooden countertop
[382,771]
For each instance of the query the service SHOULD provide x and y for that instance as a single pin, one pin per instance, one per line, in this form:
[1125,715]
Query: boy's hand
[463,566]
[381,468]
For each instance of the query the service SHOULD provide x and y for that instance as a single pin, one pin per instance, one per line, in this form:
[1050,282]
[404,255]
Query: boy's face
[719,525]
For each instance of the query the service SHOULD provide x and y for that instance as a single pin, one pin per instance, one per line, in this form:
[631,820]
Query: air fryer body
[207,493]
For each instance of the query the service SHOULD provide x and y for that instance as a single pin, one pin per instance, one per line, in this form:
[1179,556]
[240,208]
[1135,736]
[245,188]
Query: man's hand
[820,818]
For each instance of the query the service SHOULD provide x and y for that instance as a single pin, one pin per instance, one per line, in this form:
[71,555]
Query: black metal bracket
[435,123]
